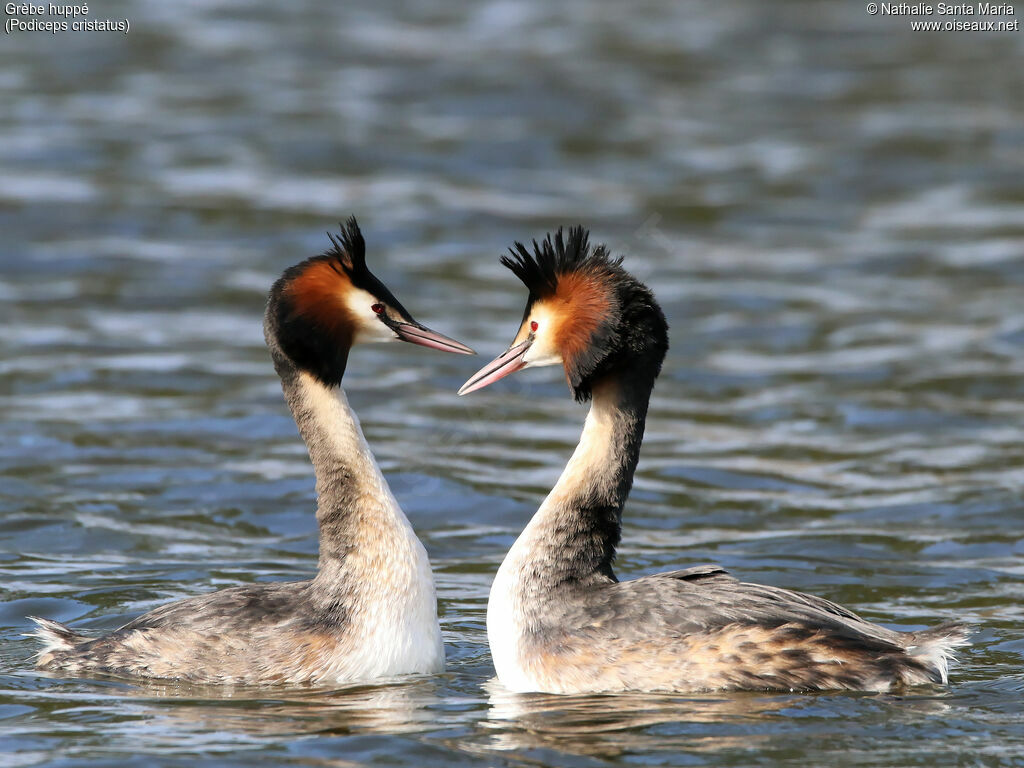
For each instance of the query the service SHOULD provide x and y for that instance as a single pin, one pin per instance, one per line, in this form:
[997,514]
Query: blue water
[829,207]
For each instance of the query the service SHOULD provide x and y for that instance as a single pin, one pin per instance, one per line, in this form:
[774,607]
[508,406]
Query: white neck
[589,464]
[370,559]
[571,539]
[346,470]
[574,532]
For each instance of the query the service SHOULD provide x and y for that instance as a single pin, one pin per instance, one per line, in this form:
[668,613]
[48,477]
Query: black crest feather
[305,340]
[350,252]
[553,257]
[349,247]
[632,338]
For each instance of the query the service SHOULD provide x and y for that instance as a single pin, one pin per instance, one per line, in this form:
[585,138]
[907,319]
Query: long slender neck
[572,537]
[352,494]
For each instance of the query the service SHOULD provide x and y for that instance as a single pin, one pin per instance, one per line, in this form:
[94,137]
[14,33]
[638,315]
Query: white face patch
[543,351]
[369,327]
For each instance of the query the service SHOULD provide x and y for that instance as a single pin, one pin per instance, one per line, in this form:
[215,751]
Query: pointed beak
[500,367]
[415,333]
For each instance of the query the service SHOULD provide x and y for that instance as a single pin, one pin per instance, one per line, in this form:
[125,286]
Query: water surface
[830,209]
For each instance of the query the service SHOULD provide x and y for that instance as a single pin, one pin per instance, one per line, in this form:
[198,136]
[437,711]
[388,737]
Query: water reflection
[608,726]
[389,707]
[178,717]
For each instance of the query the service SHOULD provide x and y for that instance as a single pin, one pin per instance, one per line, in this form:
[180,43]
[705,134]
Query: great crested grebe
[371,610]
[559,621]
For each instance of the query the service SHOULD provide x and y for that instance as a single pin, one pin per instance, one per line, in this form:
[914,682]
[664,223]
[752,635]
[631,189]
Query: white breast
[505,623]
[392,624]
[397,631]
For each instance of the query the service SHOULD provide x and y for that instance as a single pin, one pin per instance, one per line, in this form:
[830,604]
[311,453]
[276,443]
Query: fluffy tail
[935,647]
[54,636]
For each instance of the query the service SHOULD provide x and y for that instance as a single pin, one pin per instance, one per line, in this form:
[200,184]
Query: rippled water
[830,208]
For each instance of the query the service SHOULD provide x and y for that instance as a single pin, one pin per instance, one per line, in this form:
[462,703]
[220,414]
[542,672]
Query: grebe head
[584,312]
[320,308]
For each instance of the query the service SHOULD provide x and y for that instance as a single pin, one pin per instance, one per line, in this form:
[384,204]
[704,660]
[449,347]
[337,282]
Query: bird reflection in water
[174,713]
[610,725]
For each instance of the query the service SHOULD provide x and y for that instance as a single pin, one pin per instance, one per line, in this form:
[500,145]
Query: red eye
[533,325]
[377,308]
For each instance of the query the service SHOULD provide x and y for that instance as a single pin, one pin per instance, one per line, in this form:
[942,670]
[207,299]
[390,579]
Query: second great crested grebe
[558,619]
[371,610]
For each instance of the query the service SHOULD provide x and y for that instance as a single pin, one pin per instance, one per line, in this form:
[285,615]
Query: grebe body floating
[371,610]
[558,618]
